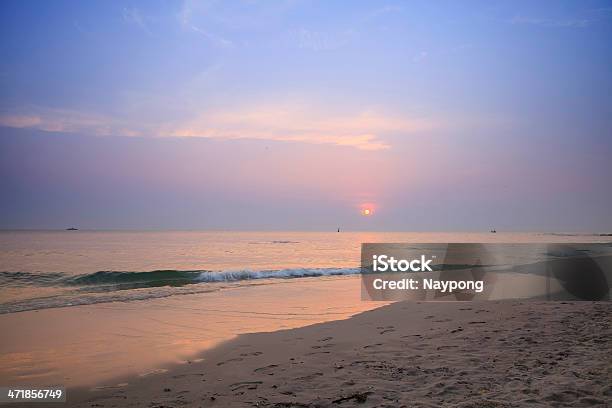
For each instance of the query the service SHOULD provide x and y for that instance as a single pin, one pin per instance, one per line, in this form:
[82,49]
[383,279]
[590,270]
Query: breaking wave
[179,278]
[118,286]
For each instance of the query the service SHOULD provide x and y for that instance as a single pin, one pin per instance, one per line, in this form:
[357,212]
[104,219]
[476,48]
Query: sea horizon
[305,204]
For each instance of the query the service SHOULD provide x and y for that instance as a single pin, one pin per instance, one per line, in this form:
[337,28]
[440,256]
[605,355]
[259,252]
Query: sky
[297,115]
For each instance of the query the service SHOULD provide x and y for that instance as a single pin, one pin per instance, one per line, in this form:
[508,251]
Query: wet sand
[92,345]
[486,354]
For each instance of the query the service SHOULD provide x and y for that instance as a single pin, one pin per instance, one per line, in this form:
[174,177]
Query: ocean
[48,269]
[84,308]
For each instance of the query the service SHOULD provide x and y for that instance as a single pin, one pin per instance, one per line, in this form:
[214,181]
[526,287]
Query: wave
[28,278]
[123,280]
[169,277]
[114,286]
[130,280]
[274,242]
[166,276]
[230,276]
[99,296]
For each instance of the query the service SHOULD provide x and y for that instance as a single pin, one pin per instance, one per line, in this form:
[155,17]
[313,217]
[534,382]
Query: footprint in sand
[309,377]
[220,363]
[372,345]
[317,352]
[323,346]
[249,385]
[255,353]
[386,329]
[266,370]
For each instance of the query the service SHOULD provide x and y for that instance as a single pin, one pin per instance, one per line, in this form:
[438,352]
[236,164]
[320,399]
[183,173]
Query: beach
[305,204]
[169,319]
[92,345]
[408,354]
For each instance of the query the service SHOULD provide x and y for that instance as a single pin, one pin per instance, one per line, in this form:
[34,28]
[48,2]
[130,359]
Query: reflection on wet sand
[86,345]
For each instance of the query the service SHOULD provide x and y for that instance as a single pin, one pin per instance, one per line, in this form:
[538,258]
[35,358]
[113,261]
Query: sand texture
[463,354]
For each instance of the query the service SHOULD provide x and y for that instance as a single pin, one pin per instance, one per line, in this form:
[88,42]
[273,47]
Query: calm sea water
[45,269]
[104,306]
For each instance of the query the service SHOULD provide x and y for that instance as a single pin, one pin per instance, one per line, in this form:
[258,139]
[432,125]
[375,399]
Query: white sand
[487,354]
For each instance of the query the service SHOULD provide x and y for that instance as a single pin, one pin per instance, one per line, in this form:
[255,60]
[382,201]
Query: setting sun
[367,209]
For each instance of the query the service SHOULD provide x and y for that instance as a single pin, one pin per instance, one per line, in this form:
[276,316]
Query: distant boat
[493,231]
[338,229]
[72,229]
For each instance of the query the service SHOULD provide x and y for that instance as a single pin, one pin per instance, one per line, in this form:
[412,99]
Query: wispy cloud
[20,121]
[364,130]
[583,19]
[318,40]
[69,121]
[420,57]
[134,16]
[214,39]
[386,9]
[321,41]
[186,20]
[547,22]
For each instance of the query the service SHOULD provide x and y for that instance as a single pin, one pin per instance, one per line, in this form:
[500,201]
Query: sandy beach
[172,319]
[407,354]
[92,345]
[305,204]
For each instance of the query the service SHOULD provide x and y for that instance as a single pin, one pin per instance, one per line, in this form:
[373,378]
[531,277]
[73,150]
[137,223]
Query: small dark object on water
[493,231]
[72,229]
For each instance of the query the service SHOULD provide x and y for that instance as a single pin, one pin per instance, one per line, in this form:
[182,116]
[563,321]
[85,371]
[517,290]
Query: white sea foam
[238,275]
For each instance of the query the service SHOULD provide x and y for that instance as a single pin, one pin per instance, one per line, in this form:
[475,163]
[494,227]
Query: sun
[368,209]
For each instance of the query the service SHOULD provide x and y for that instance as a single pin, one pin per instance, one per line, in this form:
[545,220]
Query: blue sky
[442,115]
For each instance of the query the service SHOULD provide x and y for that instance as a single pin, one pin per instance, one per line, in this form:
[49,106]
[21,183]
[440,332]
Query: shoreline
[471,354]
[89,345]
